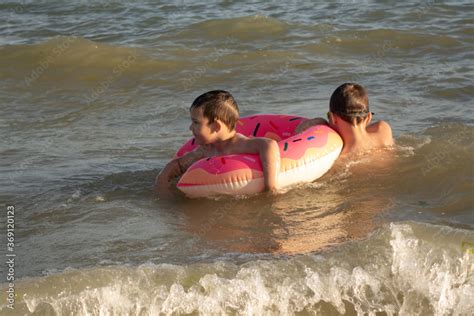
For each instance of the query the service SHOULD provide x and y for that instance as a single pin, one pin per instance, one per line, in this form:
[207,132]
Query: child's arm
[176,168]
[172,170]
[308,123]
[269,153]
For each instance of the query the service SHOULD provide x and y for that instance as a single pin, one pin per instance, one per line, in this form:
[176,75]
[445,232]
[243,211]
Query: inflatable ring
[304,158]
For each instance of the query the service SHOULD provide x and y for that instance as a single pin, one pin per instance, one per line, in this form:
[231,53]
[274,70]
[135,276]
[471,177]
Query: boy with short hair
[349,115]
[214,115]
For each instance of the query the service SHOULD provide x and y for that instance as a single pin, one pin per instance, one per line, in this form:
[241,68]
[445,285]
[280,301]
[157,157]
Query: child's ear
[369,118]
[332,118]
[216,126]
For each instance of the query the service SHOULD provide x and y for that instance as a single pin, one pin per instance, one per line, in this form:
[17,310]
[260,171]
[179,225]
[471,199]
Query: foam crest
[424,272]
[406,269]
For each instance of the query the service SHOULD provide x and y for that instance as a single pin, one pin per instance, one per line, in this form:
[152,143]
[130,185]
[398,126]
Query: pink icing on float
[304,158]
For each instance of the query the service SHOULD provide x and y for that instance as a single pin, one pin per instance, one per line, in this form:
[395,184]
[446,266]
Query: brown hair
[220,105]
[351,102]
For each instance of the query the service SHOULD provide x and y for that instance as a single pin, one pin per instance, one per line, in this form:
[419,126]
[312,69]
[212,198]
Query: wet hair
[350,102]
[218,105]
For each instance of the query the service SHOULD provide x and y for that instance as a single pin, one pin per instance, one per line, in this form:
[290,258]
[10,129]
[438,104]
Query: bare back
[375,136]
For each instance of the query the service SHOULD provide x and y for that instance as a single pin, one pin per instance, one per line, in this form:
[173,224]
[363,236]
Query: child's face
[200,127]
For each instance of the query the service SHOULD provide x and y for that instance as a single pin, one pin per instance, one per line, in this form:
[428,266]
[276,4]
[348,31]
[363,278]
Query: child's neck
[355,137]
[223,142]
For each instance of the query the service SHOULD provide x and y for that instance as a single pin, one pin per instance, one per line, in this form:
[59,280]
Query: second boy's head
[350,102]
[214,112]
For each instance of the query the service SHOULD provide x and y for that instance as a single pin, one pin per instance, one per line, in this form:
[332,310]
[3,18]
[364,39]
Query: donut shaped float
[304,158]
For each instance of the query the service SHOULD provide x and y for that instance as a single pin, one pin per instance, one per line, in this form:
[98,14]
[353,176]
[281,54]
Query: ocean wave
[406,268]
[380,44]
[78,60]
[245,28]
[434,171]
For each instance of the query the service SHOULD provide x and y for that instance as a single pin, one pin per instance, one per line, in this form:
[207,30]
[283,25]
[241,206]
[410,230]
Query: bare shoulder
[383,131]
[199,151]
[380,126]
[245,144]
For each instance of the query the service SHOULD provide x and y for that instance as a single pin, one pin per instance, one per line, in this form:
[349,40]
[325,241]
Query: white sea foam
[404,269]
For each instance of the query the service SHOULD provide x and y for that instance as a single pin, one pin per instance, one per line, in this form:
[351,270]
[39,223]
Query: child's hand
[163,190]
[163,186]
[273,191]
[270,193]
[308,123]
[270,188]
[302,127]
